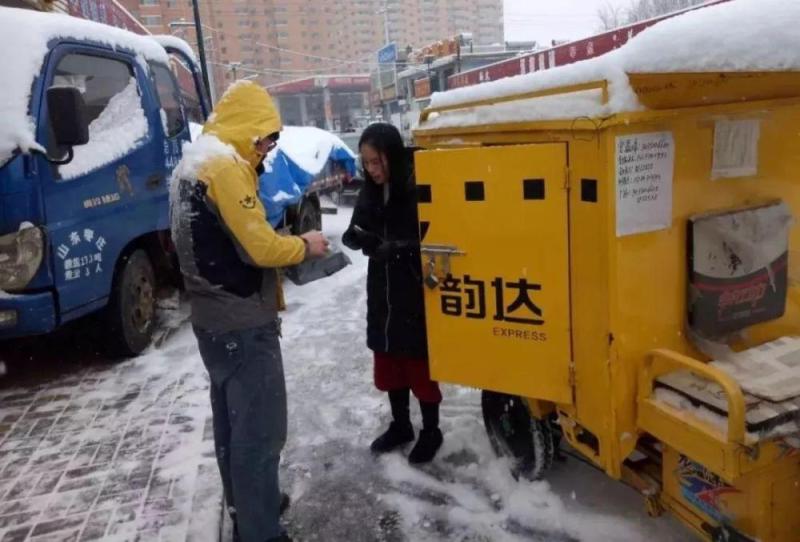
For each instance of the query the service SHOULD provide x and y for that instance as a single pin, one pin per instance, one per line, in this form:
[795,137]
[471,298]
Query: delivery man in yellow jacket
[229,257]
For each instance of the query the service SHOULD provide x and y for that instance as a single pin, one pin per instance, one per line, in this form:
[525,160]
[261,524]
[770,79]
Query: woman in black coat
[385,227]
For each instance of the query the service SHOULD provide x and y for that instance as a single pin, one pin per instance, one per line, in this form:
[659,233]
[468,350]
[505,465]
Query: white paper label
[645,165]
[735,148]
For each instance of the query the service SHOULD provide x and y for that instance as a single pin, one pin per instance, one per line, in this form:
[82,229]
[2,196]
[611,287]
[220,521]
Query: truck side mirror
[68,116]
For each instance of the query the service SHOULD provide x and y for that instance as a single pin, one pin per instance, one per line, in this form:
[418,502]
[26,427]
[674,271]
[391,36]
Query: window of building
[151,20]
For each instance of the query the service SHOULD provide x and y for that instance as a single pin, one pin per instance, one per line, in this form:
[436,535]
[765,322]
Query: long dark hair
[386,140]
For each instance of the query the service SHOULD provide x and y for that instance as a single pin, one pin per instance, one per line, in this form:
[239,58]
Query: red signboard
[560,55]
[293,87]
[356,83]
[108,12]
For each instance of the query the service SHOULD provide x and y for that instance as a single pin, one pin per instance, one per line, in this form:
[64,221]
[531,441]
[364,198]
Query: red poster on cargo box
[738,272]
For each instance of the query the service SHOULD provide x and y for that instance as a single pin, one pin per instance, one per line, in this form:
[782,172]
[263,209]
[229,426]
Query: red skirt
[397,372]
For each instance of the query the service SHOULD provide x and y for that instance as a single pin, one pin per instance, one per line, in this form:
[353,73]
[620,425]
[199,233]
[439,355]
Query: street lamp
[385,12]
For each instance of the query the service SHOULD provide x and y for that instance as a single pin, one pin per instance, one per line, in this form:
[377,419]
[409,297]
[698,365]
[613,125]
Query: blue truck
[92,122]
[308,164]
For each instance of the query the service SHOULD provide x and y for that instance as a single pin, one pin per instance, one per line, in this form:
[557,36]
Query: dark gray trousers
[248,403]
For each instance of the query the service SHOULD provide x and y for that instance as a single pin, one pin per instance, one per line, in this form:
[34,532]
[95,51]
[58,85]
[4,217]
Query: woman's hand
[357,237]
[387,249]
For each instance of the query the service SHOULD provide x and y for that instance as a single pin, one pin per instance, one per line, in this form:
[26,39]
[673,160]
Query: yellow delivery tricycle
[627,281]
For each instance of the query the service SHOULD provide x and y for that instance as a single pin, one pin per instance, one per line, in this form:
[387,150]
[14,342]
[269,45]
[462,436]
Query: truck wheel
[308,218]
[515,434]
[131,309]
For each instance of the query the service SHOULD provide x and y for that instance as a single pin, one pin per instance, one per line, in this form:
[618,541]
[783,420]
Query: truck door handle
[153,181]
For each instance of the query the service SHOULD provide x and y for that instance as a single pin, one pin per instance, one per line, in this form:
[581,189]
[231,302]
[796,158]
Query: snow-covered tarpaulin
[738,36]
[303,155]
[25,36]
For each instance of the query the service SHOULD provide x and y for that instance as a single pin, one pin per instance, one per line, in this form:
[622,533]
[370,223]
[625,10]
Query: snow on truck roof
[24,37]
[165,40]
[738,36]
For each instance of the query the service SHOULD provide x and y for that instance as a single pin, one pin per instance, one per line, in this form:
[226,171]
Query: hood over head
[244,114]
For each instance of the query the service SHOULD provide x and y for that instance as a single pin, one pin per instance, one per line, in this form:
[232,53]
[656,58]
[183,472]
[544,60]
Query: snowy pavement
[115,453]
[124,453]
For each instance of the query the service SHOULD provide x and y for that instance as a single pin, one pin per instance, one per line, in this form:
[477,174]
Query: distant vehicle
[352,187]
[308,167]
[350,139]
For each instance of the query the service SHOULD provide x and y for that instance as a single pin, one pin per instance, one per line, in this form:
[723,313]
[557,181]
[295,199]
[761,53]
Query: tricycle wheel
[514,433]
[130,315]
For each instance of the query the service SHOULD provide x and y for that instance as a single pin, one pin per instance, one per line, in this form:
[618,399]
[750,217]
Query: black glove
[358,238]
[388,249]
[383,251]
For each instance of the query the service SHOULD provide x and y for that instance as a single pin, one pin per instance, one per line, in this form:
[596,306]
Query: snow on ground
[341,492]
[113,452]
[123,452]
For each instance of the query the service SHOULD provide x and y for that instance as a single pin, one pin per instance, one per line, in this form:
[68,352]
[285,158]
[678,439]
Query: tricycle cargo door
[497,301]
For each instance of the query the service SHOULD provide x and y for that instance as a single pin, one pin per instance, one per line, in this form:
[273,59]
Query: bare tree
[647,9]
[611,16]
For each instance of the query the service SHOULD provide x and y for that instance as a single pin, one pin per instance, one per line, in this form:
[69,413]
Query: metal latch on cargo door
[430,253]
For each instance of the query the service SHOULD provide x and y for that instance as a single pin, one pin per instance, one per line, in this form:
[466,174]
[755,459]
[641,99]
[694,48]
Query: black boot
[400,430]
[430,438]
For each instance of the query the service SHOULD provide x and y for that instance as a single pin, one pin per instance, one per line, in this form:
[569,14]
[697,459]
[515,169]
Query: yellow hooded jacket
[244,115]
[221,232]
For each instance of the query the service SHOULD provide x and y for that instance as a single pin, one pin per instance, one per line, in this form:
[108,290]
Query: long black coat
[395,307]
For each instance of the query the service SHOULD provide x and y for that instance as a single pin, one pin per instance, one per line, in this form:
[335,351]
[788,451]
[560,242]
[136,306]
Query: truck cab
[93,122]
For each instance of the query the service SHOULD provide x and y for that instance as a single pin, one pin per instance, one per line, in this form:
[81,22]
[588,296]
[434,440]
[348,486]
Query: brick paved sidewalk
[119,453]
